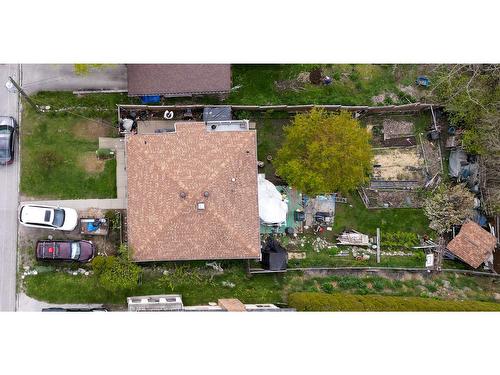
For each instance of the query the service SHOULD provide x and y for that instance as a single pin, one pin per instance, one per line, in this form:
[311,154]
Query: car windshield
[75,250]
[4,129]
[58,218]
[4,147]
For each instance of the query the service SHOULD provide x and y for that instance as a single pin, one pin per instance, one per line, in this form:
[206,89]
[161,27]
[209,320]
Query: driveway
[62,77]
[9,182]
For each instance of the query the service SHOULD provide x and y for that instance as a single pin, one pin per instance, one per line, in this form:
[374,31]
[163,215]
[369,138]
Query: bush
[116,273]
[315,76]
[399,239]
[104,153]
[349,302]
[49,159]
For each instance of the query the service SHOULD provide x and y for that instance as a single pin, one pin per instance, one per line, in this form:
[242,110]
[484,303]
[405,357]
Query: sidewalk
[25,303]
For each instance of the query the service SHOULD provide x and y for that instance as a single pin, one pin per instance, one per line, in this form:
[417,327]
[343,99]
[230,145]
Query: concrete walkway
[118,145]
[84,204]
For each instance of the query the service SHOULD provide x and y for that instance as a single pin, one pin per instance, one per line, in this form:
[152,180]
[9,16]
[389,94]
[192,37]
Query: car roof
[36,214]
[6,120]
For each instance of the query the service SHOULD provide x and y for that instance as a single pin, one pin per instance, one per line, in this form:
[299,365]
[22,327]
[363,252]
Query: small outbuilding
[274,256]
[473,244]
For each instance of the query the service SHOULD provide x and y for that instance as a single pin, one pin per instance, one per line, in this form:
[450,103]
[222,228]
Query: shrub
[104,153]
[327,287]
[315,76]
[49,159]
[116,273]
[349,302]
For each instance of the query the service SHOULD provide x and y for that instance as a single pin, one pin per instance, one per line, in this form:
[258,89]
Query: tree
[324,153]
[471,96]
[448,206]
[116,272]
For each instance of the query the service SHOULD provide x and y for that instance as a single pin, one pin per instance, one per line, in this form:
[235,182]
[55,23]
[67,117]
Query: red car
[65,250]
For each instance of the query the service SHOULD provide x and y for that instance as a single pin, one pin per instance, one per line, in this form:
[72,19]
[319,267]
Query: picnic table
[94,227]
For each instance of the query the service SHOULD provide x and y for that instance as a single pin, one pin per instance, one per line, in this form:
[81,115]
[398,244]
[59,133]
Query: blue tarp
[150,99]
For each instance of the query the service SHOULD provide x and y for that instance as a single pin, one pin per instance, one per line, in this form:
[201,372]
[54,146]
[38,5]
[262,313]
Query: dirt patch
[90,130]
[381,98]
[398,164]
[410,90]
[90,163]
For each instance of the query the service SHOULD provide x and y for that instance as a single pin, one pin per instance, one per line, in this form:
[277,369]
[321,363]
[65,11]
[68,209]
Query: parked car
[8,128]
[65,250]
[49,217]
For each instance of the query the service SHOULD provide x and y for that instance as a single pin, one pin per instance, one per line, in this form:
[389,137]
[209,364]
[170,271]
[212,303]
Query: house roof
[231,304]
[473,244]
[168,175]
[178,79]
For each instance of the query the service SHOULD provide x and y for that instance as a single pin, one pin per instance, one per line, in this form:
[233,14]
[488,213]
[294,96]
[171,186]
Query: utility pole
[21,91]
[378,245]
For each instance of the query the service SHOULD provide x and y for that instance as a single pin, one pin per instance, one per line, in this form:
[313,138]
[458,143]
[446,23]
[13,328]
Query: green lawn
[352,84]
[58,160]
[198,286]
[360,218]
[195,288]
[347,302]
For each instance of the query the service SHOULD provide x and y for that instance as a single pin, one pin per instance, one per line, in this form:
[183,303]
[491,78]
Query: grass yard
[195,287]
[360,218]
[198,285]
[58,156]
[267,84]
[347,302]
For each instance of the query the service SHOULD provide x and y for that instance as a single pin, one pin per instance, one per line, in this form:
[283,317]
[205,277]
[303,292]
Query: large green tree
[471,96]
[449,206]
[324,153]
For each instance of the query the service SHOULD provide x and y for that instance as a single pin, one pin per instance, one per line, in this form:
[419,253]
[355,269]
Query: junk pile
[353,237]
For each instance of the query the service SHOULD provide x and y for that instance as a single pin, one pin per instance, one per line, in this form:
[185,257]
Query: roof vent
[183,194]
[206,194]
[200,206]
[214,126]
[233,179]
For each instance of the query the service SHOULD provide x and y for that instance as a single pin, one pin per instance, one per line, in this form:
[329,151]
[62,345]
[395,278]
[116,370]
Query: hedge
[312,301]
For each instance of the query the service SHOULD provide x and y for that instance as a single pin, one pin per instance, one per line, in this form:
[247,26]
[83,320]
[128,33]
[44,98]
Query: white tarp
[272,208]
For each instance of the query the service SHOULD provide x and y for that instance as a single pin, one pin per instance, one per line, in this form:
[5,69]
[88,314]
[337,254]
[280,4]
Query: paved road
[62,77]
[9,180]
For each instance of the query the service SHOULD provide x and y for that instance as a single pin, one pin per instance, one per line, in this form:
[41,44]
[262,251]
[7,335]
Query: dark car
[65,309]
[7,132]
[66,250]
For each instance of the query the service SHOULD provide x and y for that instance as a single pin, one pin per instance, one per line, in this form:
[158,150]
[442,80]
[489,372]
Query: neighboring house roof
[161,168]
[178,79]
[473,244]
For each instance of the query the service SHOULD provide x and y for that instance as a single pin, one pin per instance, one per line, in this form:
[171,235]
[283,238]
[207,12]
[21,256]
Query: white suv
[49,217]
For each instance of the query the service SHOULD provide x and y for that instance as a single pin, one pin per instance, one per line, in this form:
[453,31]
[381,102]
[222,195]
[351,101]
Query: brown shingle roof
[164,226]
[178,79]
[473,244]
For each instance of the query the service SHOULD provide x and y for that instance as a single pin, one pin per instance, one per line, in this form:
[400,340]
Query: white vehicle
[49,217]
